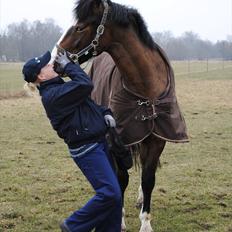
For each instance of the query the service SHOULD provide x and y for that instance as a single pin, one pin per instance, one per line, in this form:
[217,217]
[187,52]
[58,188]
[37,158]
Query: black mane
[120,15]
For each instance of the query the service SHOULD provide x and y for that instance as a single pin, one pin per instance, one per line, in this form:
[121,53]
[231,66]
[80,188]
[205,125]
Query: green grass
[40,184]
[194,66]
[11,79]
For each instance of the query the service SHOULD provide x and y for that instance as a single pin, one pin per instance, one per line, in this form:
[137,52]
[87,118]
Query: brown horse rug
[136,116]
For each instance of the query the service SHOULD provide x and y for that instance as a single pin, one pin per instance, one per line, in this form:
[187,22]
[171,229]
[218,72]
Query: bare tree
[23,40]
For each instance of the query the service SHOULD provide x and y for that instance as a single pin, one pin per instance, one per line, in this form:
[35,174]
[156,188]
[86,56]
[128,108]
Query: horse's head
[100,26]
[85,38]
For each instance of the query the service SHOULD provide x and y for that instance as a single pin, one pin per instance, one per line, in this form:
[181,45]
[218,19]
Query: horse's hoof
[145,222]
[123,224]
[146,229]
[123,228]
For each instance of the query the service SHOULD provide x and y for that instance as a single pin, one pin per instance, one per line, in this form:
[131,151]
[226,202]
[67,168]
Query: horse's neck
[144,71]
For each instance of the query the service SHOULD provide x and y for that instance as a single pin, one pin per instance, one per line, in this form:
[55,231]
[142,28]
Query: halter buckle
[149,117]
[74,57]
[100,29]
[140,102]
[95,53]
[95,43]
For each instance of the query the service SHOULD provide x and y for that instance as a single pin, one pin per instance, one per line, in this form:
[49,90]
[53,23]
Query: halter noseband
[95,43]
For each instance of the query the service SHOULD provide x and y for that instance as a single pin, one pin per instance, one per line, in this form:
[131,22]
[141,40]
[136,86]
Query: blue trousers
[103,212]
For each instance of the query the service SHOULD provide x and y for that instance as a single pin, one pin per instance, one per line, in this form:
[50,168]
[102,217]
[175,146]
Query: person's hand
[110,121]
[62,59]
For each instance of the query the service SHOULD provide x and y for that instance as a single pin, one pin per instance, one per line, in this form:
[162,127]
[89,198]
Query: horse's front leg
[123,178]
[152,148]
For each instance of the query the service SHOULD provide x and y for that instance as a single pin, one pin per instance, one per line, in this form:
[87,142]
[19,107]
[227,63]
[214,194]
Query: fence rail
[199,66]
[11,81]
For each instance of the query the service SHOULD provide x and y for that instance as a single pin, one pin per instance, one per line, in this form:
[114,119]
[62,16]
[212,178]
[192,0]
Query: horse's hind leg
[151,150]
[123,178]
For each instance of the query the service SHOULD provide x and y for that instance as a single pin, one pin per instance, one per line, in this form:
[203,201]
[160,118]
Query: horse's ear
[97,2]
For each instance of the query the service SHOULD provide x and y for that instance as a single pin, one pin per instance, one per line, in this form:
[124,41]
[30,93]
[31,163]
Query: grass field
[40,185]
[11,81]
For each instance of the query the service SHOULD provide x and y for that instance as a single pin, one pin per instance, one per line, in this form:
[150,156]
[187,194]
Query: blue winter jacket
[73,114]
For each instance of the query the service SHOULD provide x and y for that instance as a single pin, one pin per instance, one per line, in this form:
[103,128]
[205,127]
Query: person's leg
[97,169]
[113,221]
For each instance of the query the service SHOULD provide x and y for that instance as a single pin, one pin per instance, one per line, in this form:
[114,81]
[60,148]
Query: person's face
[47,73]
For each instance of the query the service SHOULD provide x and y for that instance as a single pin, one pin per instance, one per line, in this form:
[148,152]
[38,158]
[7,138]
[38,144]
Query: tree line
[21,41]
[191,46]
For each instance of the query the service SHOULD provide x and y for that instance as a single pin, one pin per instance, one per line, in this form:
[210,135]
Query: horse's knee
[145,222]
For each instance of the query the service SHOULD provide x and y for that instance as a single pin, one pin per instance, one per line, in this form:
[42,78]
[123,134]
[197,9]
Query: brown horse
[137,83]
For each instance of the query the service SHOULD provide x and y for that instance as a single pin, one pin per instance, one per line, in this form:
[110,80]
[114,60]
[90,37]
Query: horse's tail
[136,150]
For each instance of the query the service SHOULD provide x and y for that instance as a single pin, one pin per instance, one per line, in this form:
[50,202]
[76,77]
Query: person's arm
[105,110]
[76,90]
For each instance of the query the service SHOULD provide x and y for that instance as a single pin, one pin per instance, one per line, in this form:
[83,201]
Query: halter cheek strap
[95,43]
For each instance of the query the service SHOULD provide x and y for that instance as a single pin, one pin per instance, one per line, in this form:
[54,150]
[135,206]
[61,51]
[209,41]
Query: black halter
[75,57]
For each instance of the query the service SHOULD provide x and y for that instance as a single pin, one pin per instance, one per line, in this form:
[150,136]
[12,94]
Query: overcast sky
[211,19]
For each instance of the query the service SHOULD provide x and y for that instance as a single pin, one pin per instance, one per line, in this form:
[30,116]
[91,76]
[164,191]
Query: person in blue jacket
[82,124]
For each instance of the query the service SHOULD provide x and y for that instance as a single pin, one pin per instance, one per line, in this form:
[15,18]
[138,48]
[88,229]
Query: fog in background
[185,29]
[210,19]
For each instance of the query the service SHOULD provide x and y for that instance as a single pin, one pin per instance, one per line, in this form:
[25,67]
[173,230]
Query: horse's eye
[78,29]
